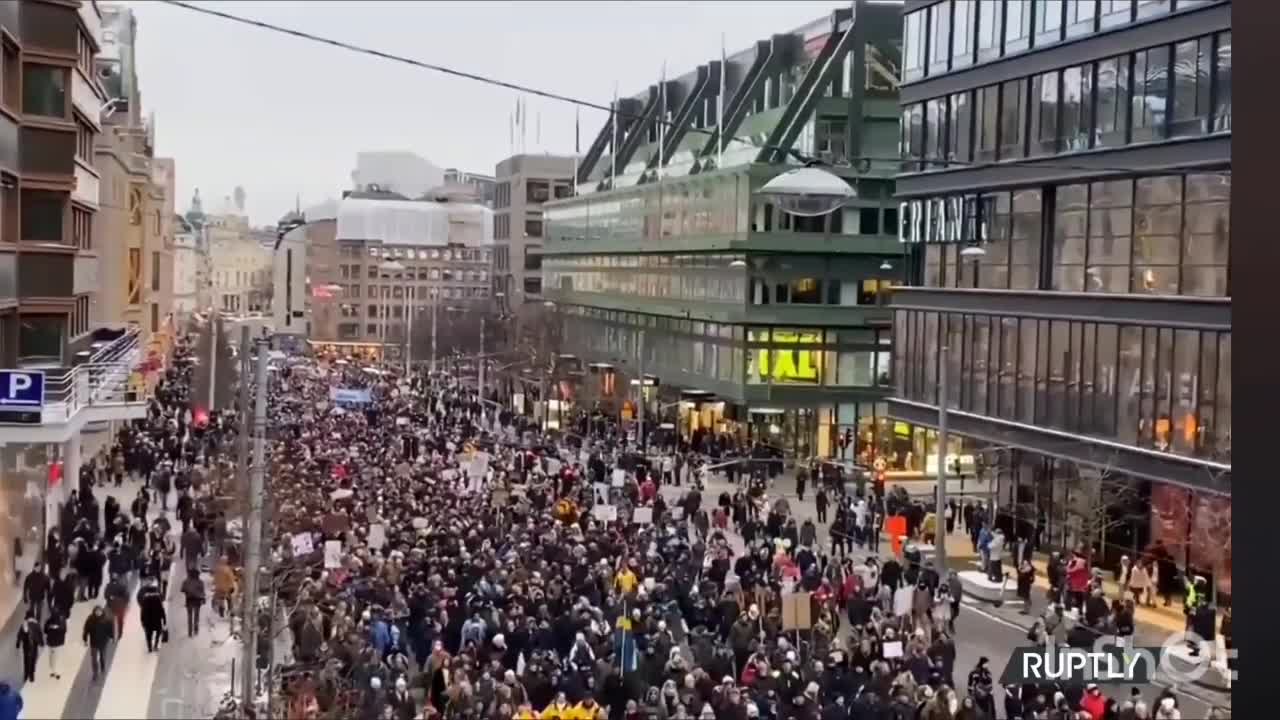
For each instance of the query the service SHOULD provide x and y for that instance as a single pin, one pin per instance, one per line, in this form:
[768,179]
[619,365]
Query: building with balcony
[359,303]
[1065,199]
[756,324]
[48,182]
[524,183]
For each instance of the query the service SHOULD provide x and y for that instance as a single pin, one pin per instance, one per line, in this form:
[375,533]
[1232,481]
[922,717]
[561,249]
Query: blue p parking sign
[21,390]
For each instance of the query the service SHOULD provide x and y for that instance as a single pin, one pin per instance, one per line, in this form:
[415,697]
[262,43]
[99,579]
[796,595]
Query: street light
[808,191]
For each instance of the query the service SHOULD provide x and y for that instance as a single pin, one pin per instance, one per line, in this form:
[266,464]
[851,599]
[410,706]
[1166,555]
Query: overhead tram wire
[559,97]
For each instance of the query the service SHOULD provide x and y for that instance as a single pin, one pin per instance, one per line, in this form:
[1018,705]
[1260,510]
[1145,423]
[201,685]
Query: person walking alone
[154,617]
[193,591]
[99,631]
[30,639]
[55,636]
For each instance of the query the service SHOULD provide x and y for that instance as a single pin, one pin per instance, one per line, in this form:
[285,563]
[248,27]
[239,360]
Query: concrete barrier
[976,584]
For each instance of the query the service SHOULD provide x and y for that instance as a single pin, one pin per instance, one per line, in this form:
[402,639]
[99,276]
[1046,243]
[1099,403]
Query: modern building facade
[390,258]
[1082,151]
[524,183]
[751,323]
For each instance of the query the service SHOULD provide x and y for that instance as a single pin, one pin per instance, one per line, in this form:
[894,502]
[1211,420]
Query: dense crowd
[433,555]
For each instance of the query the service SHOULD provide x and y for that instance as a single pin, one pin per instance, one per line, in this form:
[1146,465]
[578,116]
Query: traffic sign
[21,390]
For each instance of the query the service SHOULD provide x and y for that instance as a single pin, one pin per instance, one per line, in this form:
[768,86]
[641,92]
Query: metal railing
[103,381]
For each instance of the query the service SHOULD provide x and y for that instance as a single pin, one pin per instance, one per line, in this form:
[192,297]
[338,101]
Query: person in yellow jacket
[526,712]
[588,710]
[626,580]
[929,528]
[559,709]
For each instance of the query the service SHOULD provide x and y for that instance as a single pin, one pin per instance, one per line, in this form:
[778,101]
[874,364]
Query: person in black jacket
[194,592]
[99,631]
[55,636]
[35,591]
[63,594]
[153,615]
[29,641]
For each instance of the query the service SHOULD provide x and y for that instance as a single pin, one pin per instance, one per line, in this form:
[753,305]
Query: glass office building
[1087,348]
[747,321]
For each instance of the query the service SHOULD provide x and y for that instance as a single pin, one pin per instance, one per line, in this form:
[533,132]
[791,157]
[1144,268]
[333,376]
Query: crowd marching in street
[434,555]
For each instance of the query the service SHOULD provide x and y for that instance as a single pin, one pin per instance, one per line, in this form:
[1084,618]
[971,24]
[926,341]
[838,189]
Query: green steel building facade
[746,321]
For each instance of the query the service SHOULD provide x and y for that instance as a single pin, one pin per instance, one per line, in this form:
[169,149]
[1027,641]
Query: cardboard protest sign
[377,536]
[796,611]
[643,516]
[605,513]
[333,554]
[302,545]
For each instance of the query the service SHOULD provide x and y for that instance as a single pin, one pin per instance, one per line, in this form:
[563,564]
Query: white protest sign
[333,554]
[377,536]
[302,544]
[892,649]
[902,601]
[605,513]
[619,477]
[677,512]
[643,516]
[419,523]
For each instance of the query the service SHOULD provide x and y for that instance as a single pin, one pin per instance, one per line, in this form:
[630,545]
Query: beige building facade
[240,266]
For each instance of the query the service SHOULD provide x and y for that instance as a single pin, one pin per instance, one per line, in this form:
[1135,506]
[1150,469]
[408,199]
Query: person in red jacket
[1078,577]
[1094,702]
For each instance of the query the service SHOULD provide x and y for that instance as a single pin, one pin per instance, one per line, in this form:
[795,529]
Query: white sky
[282,116]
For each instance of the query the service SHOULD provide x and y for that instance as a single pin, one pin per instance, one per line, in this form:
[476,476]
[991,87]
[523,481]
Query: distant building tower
[195,214]
[239,196]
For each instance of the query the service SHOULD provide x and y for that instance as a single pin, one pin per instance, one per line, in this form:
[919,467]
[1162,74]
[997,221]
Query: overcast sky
[282,116]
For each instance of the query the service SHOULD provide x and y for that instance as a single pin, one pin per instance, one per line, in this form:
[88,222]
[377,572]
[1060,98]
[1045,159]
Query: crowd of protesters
[434,555]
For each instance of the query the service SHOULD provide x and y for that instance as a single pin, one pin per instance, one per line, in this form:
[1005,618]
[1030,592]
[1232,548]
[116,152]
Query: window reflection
[1162,388]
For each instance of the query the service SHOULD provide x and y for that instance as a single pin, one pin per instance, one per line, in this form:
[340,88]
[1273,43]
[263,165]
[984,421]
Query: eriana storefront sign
[956,219]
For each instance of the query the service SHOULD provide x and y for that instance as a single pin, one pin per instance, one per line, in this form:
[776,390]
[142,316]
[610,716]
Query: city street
[981,629]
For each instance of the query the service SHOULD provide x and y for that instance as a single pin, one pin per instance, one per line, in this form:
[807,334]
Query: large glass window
[939,37]
[1191,75]
[989,29]
[1081,17]
[986,123]
[913,45]
[1044,113]
[1025,231]
[962,23]
[1112,13]
[1222,83]
[1150,93]
[1110,223]
[43,215]
[1077,107]
[935,133]
[1149,8]
[44,90]
[960,127]
[912,149]
[1048,21]
[1113,102]
[1013,117]
[1206,235]
[1070,223]
[1017,26]
[1157,228]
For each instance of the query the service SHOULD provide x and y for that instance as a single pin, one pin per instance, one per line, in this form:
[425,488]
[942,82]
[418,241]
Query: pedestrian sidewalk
[1170,619]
